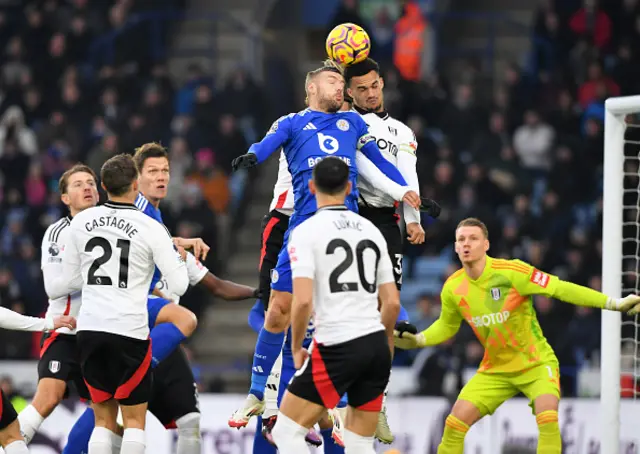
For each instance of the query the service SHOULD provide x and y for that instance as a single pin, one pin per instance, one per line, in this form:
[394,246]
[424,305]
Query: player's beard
[331,105]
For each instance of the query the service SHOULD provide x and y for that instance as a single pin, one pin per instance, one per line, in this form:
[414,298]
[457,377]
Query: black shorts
[59,359]
[386,220]
[274,226]
[7,412]
[359,367]
[115,366]
[174,393]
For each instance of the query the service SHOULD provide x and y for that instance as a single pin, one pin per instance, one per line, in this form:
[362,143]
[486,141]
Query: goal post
[616,109]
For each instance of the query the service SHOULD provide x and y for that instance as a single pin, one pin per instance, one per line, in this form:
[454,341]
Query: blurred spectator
[230,142]
[409,56]
[533,141]
[589,91]
[592,23]
[211,180]
[14,130]
[428,312]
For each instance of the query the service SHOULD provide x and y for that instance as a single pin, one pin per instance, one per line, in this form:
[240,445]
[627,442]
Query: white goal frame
[614,127]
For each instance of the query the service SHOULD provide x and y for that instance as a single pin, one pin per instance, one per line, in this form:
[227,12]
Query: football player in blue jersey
[307,137]
[174,400]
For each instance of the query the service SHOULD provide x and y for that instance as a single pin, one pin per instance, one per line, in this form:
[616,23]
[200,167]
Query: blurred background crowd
[519,145]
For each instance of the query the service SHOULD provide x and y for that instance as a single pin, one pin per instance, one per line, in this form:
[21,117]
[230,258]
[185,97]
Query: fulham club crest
[495,294]
[54,367]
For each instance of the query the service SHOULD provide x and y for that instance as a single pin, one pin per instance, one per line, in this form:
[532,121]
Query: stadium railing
[492,20]
[103,48]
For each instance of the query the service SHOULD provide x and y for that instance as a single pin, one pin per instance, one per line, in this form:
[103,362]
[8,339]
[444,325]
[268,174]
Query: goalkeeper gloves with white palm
[629,304]
[407,340]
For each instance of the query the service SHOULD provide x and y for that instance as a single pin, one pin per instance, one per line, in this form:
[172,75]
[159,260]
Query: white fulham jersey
[114,249]
[398,145]
[196,272]
[53,248]
[283,190]
[347,258]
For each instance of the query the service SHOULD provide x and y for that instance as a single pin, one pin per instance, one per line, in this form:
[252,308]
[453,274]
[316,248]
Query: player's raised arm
[168,261]
[407,166]
[274,139]
[440,331]
[530,281]
[67,278]
[302,271]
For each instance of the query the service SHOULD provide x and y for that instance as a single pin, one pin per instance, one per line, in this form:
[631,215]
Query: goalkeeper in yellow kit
[494,297]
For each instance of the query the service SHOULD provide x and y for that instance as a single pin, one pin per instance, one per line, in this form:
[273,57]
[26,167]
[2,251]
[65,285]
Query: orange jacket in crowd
[410,41]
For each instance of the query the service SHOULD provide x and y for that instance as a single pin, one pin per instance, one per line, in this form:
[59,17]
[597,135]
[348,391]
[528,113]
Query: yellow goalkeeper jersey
[499,309]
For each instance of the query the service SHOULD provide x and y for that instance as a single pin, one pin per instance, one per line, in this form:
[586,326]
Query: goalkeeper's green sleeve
[579,295]
[439,332]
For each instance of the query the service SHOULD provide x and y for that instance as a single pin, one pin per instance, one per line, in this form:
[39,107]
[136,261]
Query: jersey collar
[332,208]
[485,272]
[384,114]
[119,205]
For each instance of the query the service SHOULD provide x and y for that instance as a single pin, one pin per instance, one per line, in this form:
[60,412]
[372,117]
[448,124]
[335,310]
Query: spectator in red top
[592,22]
[588,91]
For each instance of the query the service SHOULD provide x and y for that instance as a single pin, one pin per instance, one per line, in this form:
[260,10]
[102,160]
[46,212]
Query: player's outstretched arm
[15,321]
[371,173]
[227,290]
[441,330]
[276,137]
[531,281]
[406,161]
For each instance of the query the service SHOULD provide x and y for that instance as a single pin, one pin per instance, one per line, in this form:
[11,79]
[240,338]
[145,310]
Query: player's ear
[487,245]
[381,82]
[134,185]
[312,187]
[65,199]
[350,92]
[103,186]
[348,188]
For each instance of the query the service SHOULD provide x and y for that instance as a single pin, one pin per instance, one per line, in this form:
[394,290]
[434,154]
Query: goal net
[620,366]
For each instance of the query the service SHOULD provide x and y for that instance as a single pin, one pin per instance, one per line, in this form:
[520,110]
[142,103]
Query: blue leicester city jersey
[308,136]
[143,205]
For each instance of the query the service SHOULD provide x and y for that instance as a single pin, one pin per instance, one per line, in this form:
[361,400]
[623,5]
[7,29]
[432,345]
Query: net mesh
[630,364]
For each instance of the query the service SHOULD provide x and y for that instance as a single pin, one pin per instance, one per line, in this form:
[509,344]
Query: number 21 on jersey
[107,253]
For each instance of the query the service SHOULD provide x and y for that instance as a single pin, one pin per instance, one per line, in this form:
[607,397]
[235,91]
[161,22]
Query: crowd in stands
[68,95]
[529,164]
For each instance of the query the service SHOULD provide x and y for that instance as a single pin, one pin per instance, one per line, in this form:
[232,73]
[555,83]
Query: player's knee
[48,395]
[466,412]
[189,425]
[287,430]
[277,317]
[185,320]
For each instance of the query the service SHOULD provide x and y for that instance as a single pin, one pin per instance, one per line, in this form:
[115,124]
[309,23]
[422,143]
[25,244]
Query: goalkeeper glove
[406,341]
[629,304]
[244,162]
[430,207]
[405,327]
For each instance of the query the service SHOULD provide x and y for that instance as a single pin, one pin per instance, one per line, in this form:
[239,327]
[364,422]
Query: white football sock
[189,439]
[357,444]
[30,421]
[289,436]
[100,441]
[116,443]
[271,390]
[133,442]
[17,447]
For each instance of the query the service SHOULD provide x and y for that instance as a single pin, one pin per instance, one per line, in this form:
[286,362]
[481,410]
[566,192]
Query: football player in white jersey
[11,440]
[112,253]
[341,273]
[398,144]
[59,366]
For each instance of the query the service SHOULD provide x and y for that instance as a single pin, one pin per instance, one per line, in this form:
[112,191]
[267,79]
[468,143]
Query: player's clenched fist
[64,321]
[415,233]
[412,198]
[244,162]
[300,355]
